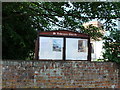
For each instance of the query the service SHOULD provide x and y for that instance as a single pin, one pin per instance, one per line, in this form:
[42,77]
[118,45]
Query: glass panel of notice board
[51,48]
[76,49]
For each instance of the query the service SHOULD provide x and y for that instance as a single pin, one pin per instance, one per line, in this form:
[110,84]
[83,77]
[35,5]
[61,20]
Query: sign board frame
[63,34]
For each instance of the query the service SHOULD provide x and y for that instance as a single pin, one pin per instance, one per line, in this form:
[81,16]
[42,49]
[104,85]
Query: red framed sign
[63,45]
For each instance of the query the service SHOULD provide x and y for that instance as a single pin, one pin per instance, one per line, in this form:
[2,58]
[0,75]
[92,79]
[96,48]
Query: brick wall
[60,74]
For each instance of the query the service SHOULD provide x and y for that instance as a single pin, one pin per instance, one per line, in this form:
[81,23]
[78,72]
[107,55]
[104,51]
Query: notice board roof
[64,33]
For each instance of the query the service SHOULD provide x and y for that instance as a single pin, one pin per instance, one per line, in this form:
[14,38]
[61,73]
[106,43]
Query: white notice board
[51,48]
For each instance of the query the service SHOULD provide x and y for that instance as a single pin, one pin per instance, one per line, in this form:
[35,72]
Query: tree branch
[11,16]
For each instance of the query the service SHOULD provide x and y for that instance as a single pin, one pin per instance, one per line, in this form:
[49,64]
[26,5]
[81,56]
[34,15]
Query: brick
[71,74]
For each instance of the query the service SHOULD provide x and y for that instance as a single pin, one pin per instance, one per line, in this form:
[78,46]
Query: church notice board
[63,45]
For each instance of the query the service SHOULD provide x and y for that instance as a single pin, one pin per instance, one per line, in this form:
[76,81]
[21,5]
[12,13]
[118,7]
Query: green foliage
[22,20]
[94,32]
[18,35]
[112,47]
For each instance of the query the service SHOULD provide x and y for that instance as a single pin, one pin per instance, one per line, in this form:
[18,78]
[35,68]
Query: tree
[112,47]
[21,21]
[18,34]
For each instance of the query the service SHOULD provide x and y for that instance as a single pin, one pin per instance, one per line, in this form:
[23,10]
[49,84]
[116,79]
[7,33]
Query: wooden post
[64,48]
[89,50]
